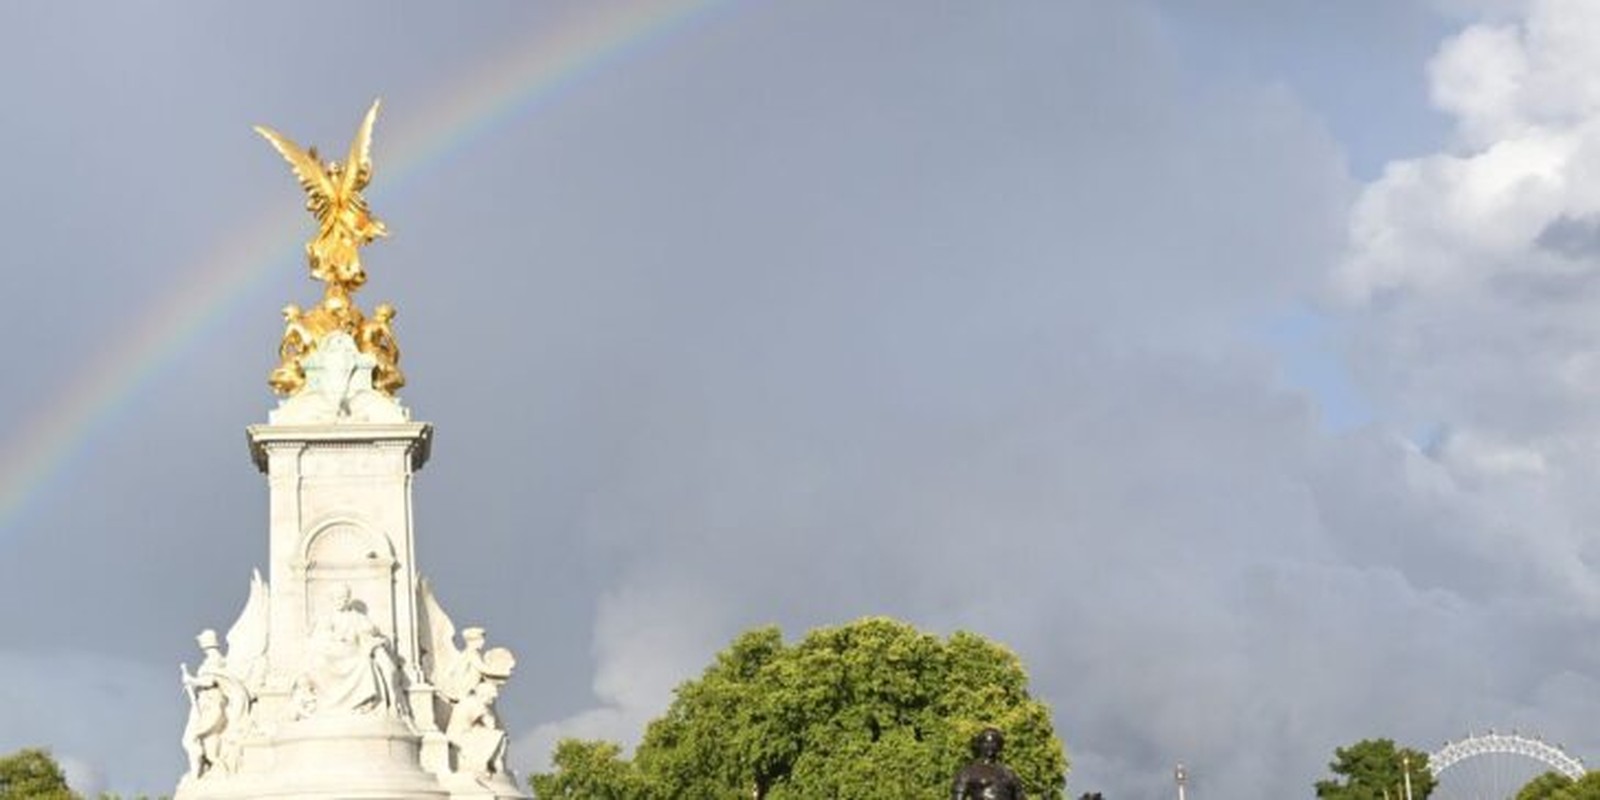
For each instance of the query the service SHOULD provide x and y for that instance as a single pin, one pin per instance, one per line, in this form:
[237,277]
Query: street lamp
[1405,769]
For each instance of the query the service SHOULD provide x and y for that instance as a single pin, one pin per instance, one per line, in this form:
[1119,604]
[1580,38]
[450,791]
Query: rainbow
[534,71]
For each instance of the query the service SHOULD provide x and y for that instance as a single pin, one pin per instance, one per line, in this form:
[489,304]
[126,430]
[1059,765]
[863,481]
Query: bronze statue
[345,225]
[985,778]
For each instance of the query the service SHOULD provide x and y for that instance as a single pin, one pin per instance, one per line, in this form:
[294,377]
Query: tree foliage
[1375,769]
[872,710]
[587,770]
[32,774]
[1555,786]
[1544,787]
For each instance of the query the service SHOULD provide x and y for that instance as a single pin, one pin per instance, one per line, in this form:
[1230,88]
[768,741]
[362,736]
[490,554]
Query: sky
[1234,362]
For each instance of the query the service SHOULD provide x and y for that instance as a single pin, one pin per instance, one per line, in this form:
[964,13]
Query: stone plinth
[355,756]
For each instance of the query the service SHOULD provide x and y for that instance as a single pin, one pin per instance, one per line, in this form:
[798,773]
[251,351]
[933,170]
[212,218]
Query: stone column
[340,514]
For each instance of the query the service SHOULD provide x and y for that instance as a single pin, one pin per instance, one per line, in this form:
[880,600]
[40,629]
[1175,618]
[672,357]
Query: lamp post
[1182,776]
[1405,769]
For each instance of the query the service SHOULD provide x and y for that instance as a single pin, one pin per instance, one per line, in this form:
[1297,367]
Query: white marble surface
[343,676]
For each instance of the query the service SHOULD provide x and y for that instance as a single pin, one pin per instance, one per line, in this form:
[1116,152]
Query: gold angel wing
[313,179]
[358,166]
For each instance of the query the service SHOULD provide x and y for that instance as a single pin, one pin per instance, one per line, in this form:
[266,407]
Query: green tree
[1375,769]
[587,770]
[32,774]
[1545,787]
[1555,786]
[872,710]
[1586,788]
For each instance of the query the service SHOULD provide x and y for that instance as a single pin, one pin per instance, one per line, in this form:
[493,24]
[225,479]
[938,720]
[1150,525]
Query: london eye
[1494,766]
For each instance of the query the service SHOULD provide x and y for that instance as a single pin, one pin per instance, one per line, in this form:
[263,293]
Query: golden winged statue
[345,225]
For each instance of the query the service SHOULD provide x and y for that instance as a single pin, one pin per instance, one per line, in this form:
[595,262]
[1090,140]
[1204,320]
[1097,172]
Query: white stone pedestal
[358,756]
[343,677]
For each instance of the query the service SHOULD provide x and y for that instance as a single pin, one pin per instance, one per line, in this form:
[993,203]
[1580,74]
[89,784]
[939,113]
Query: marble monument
[343,677]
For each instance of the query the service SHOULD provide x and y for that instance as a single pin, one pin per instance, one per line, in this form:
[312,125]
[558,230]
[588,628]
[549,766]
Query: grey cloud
[1572,237]
[781,319]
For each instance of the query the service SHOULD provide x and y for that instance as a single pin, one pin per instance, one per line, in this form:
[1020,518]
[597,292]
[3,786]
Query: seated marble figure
[351,667]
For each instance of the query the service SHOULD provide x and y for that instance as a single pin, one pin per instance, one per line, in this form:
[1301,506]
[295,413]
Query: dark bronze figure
[986,778]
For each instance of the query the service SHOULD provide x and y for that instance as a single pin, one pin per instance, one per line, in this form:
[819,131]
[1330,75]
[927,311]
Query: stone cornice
[417,436]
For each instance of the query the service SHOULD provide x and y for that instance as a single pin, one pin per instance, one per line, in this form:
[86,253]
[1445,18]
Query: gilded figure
[336,312]
[376,338]
[297,343]
[333,195]
[345,225]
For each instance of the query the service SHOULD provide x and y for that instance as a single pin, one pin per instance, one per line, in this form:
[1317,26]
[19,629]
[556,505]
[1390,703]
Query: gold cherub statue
[345,225]
[297,343]
[376,338]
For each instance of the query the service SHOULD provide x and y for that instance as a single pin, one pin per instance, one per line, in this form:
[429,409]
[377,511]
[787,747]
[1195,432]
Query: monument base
[370,757]
[489,787]
[351,756]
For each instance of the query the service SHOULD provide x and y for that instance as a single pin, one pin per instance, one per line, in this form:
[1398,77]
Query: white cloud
[648,638]
[1477,76]
[1472,311]
[1502,80]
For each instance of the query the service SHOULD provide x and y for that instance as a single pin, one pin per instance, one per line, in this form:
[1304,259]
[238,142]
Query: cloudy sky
[1237,362]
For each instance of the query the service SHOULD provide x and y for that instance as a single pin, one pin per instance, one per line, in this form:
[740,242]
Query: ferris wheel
[1493,766]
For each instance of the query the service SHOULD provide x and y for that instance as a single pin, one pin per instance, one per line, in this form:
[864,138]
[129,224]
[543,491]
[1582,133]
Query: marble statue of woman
[351,668]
